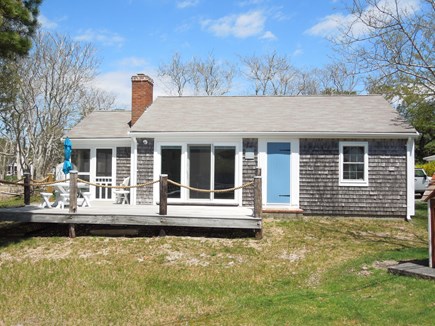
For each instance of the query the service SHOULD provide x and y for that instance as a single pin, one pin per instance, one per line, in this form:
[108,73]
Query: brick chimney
[141,95]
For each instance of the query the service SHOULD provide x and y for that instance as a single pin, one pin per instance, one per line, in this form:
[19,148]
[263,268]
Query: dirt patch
[294,255]
[384,264]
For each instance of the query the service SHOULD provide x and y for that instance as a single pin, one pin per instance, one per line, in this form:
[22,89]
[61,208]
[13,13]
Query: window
[171,165]
[353,164]
[204,166]
[200,170]
[81,159]
[224,171]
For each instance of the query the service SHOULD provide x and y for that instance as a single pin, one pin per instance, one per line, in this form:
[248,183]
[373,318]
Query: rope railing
[118,187]
[210,190]
[5,182]
[164,181]
[37,181]
[50,183]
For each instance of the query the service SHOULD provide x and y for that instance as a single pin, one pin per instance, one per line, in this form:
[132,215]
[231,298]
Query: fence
[163,180]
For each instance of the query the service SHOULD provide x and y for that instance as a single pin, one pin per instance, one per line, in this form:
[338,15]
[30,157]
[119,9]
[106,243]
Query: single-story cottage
[329,155]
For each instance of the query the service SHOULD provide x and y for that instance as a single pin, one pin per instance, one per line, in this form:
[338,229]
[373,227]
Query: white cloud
[330,25]
[100,36]
[46,23]
[132,62]
[250,2]
[299,51]
[269,36]
[187,3]
[241,26]
[118,83]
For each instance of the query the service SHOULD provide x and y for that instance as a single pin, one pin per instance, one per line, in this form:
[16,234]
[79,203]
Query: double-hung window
[353,164]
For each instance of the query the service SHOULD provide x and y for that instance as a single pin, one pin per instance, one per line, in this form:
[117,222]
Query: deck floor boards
[114,214]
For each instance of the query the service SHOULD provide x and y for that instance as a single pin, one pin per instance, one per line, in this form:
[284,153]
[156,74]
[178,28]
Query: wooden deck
[114,214]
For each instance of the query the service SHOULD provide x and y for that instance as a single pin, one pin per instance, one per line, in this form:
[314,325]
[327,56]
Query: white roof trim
[292,134]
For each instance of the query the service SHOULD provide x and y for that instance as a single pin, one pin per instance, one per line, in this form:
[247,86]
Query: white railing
[103,193]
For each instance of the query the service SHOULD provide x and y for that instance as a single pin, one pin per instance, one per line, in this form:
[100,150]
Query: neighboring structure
[330,155]
[429,158]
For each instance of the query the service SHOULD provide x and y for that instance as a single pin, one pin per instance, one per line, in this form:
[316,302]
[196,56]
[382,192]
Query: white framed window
[200,164]
[354,164]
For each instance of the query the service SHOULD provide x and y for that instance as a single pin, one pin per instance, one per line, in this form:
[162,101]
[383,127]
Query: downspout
[410,187]
[133,170]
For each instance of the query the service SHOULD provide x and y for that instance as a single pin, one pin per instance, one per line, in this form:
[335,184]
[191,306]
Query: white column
[410,166]
[133,170]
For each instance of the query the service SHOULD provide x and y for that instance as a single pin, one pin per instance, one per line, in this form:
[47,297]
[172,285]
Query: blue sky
[134,36]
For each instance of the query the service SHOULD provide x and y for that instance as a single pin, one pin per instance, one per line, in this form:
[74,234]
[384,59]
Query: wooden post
[72,200]
[50,179]
[257,196]
[432,232]
[163,209]
[258,204]
[26,188]
[258,172]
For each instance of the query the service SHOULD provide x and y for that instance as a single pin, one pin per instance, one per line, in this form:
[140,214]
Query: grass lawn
[313,271]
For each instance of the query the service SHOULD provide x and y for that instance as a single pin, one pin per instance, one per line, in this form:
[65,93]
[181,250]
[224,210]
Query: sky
[136,36]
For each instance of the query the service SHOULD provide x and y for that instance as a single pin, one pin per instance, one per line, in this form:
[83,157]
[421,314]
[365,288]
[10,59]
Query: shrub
[429,167]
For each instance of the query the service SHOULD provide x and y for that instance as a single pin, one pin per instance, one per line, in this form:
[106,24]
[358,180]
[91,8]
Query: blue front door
[278,173]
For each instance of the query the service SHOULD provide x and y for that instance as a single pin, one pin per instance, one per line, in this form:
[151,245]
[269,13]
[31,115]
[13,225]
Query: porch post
[163,206]
[432,232]
[257,193]
[258,203]
[257,197]
[26,188]
[72,200]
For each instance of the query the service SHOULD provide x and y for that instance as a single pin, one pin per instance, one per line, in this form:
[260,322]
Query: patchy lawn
[304,271]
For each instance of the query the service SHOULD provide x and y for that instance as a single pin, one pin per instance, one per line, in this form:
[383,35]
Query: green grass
[18,201]
[312,271]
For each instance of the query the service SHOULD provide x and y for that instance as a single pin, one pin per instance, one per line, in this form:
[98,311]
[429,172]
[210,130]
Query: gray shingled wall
[122,164]
[319,178]
[249,167]
[145,161]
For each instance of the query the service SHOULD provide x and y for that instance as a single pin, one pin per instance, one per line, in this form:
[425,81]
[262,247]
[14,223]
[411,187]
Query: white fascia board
[384,135]
[100,142]
[410,175]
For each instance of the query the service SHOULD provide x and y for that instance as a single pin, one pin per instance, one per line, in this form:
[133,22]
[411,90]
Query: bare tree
[393,40]
[202,77]
[272,74]
[52,81]
[93,99]
[210,77]
[337,78]
[308,82]
[176,73]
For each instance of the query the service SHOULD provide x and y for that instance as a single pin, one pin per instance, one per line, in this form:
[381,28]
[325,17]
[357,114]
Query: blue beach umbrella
[67,146]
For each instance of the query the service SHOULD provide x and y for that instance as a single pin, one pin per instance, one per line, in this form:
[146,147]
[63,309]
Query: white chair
[86,199]
[63,200]
[121,195]
[46,199]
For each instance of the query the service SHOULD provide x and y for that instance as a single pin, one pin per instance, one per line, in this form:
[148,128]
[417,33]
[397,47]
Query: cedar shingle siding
[145,161]
[249,167]
[122,164]
[320,192]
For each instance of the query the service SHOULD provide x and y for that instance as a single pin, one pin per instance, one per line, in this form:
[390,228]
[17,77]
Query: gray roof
[102,124]
[316,114]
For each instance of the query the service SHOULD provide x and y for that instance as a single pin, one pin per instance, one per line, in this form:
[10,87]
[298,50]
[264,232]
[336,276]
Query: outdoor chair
[46,199]
[121,195]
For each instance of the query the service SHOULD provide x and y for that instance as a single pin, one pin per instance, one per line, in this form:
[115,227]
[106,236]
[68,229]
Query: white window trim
[184,198]
[354,183]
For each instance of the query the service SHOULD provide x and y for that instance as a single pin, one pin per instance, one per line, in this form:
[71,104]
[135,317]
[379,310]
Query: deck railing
[106,188]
